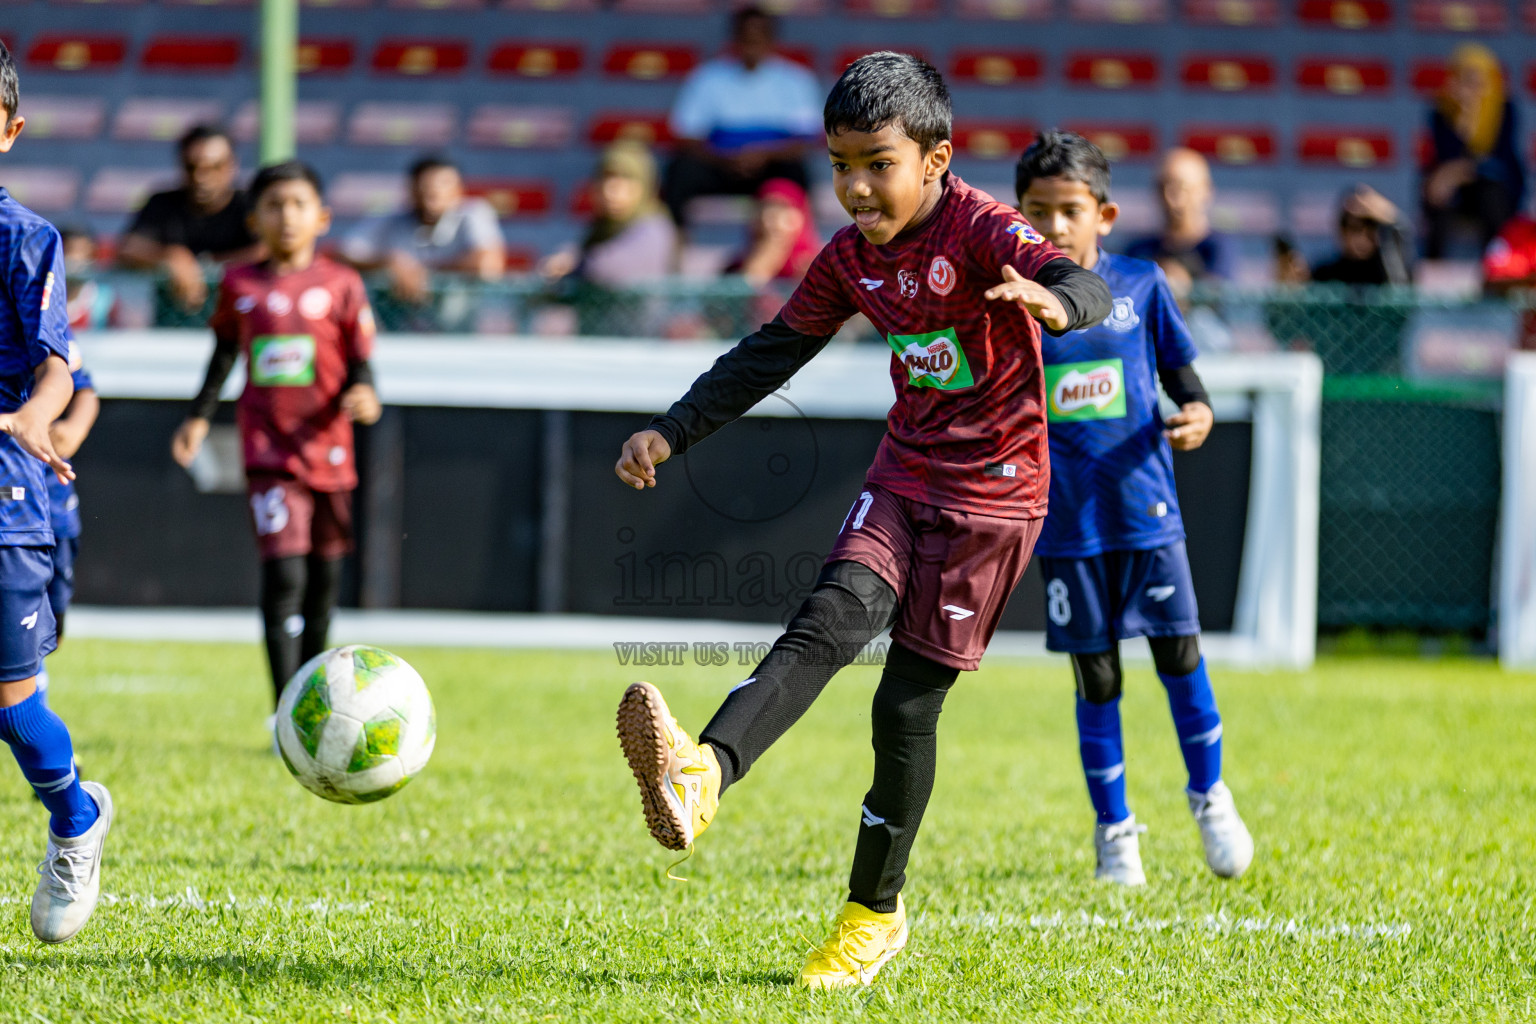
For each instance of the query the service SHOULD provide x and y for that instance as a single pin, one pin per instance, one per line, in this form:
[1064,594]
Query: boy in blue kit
[35,389]
[1112,549]
[68,433]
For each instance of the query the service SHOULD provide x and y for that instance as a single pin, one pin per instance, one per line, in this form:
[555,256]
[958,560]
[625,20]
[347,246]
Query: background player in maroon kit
[941,532]
[305,328]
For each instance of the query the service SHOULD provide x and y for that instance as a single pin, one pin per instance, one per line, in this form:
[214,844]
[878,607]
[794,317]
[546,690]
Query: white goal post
[1517,556]
[1275,619]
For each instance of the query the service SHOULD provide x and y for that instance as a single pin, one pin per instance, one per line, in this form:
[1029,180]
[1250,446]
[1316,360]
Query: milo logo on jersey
[283,360]
[1085,391]
[933,360]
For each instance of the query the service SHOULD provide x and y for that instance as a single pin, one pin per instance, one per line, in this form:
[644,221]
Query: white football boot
[1118,852]
[1228,846]
[71,875]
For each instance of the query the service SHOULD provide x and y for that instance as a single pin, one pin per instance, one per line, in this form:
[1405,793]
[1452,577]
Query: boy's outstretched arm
[1063,296]
[756,368]
[52,389]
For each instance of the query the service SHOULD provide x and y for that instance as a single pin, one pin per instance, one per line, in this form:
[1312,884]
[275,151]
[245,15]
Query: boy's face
[884,179]
[289,216]
[1065,212]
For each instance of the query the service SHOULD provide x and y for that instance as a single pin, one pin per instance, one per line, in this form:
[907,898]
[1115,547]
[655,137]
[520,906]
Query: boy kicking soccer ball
[306,330]
[943,528]
[1112,549]
[35,389]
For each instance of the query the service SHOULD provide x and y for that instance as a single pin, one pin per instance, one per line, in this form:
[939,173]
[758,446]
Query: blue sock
[41,744]
[1198,723]
[1103,753]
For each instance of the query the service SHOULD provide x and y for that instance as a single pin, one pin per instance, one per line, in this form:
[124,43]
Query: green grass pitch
[1391,800]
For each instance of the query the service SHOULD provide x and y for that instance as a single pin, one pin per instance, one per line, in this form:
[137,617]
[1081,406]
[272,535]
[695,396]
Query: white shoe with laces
[1118,852]
[71,875]
[1228,846]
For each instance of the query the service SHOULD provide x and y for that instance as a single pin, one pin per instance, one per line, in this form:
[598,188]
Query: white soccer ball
[355,724]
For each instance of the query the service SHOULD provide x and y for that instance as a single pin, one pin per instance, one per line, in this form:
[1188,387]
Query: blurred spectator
[631,239]
[1184,190]
[1373,243]
[442,231]
[1290,266]
[1474,178]
[1205,325]
[783,238]
[92,303]
[203,221]
[1509,268]
[742,119]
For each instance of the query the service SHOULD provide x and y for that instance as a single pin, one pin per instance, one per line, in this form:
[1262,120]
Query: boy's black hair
[1058,154]
[431,162]
[202,133]
[288,170]
[10,85]
[891,89]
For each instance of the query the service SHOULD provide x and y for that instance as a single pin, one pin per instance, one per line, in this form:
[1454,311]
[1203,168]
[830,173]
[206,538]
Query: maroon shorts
[290,519]
[952,571]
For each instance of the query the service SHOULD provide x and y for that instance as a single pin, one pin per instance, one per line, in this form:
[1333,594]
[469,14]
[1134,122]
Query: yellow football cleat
[679,779]
[860,944]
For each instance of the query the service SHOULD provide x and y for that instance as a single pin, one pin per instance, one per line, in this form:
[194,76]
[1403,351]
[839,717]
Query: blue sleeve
[82,379]
[37,292]
[1171,340]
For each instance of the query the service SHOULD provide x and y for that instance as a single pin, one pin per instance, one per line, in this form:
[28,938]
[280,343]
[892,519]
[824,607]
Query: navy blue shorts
[1092,602]
[61,589]
[26,619]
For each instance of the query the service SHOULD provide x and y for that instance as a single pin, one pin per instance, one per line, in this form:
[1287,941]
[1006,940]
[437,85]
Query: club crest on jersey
[1024,233]
[279,304]
[942,276]
[906,280]
[1122,316]
[315,304]
[933,360]
[245,303]
[1085,391]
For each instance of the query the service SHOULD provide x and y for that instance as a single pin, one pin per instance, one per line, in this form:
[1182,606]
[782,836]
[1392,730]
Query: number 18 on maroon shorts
[291,519]
[952,571]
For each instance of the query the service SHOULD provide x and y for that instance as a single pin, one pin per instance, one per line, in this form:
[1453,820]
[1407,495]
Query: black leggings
[298,595]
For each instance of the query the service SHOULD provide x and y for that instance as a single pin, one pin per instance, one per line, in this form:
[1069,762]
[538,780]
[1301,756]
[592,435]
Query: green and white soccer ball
[355,724]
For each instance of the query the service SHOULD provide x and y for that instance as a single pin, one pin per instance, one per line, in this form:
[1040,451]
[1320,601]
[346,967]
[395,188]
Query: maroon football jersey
[967,431]
[298,333]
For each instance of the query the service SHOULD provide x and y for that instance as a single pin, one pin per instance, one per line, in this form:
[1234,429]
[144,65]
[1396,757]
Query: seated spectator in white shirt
[442,231]
[631,239]
[742,119]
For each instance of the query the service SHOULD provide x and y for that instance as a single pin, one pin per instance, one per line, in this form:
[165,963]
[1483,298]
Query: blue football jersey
[34,324]
[1111,469]
[63,501]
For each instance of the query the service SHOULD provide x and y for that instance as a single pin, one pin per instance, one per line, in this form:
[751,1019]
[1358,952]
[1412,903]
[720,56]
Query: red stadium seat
[1460,16]
[521,260]
[1530,15]
[1530,80]
[561,6]
[45,189]
[1237,145]
[1105,70]
[74,52]
[1343,77]
[995,67]
[1428,76]
[649,129]
[993,140]
[154,119]
[194,54]
[650,62]
[124,189]
[1239,13]
[1126,12]
[421,125]
[844,57]
[892,8]
[1347,14]
[420,57]
[367,193]
[535,59]
[498,125]
[65,117]
[663,6]
[436,5]
[315,122]
[513,197]
[802,55]
[1004,10]
[325,56]
[1119,141]
[1346,147]
[1228,72]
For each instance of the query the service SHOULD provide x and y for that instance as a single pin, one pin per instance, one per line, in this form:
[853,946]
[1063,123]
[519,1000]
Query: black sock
[904,726]
[282,600]
[849,607]
[320,594]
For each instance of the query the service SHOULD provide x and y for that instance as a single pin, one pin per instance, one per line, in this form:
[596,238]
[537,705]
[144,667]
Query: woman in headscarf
[1475,176]
[631,239]
[783,239]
